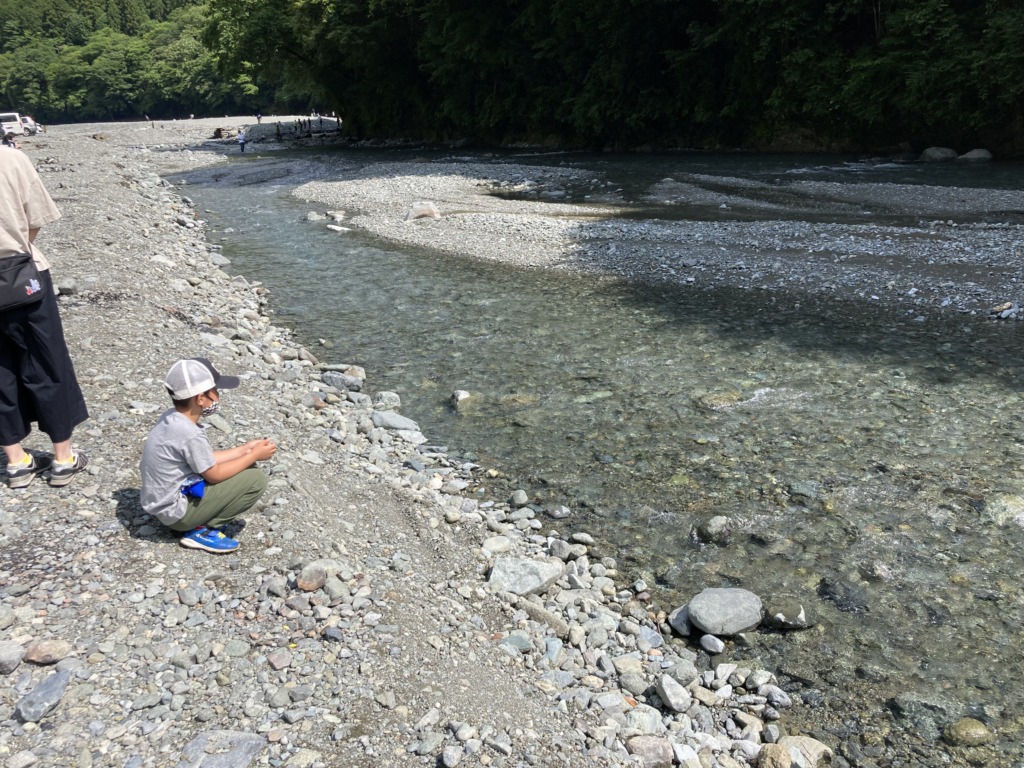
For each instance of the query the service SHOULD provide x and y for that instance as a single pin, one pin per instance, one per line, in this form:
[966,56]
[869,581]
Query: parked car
[29,126]
[10,122]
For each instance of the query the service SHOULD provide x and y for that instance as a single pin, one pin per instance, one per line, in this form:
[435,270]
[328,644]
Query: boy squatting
[187,485]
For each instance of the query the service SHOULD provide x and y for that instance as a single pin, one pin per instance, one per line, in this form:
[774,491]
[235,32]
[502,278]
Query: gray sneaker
[62,474]
[23,476]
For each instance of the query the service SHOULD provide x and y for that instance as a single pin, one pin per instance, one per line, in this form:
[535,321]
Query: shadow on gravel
[138,524]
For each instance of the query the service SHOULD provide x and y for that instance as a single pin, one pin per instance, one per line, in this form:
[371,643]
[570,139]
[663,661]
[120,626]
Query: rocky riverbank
[376,614]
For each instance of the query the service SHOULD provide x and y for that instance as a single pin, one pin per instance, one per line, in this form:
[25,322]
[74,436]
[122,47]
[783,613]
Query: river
[829,450]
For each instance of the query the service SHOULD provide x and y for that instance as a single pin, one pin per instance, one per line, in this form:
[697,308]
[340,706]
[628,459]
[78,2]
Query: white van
[11,122]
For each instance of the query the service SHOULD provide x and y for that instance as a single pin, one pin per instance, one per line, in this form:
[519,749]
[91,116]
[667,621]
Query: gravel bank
[946,249]
[375,615]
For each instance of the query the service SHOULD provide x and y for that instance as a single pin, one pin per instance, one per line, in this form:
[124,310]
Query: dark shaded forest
[870,75]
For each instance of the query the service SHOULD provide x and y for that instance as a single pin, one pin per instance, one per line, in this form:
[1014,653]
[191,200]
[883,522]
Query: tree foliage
[68,60]
[598,73]
[624,72]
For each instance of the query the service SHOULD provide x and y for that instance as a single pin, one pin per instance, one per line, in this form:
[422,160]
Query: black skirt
[37,379]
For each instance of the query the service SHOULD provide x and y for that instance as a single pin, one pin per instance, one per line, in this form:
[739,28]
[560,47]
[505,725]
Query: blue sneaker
[209,539]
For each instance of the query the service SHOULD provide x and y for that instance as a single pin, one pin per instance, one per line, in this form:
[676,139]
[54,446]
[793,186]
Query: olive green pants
[223,501]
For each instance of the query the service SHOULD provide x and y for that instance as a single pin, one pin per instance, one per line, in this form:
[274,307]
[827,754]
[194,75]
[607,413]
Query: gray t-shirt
[176,453]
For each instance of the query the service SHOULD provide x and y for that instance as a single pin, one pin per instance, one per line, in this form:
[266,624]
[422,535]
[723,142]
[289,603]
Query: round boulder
[976,156]
[938,155]
[725,612]
[967,732]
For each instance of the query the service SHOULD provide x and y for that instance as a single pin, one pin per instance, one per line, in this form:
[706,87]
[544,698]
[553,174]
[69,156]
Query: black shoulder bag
[20,283]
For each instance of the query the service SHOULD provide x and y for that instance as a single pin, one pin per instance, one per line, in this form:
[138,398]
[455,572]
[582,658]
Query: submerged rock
[967,732]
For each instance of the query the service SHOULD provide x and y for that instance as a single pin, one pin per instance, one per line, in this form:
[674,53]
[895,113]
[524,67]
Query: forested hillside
[868,74]
[74,60]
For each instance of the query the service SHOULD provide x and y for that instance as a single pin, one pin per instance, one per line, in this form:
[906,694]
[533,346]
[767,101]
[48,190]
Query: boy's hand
[265,448]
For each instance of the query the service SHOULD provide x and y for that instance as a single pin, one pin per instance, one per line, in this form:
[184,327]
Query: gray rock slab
[43,698]
[221,749]
[654,751]
[726,612]
[524,576]
[673,694]
[543,615]
[392,420]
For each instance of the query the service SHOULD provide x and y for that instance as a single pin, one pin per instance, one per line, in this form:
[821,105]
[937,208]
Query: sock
[67,463]
[20,464]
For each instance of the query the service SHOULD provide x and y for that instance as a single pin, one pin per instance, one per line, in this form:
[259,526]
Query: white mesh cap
[191,377]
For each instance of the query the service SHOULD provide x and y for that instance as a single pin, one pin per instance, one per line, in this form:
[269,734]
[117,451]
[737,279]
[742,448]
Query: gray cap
[191,377]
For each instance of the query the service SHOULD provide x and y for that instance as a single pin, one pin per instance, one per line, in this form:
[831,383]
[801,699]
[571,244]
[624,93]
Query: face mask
[211,408]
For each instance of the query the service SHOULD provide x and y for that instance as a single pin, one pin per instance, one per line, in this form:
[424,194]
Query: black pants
[37,379]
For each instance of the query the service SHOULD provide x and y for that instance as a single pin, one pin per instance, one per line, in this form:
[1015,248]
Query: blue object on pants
[195,490]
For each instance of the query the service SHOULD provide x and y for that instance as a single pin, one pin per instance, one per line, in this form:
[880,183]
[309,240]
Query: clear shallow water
[862,458]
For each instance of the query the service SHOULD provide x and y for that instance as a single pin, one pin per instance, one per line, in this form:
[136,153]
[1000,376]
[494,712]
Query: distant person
[259,118]
[9,141]
[188,486]
[37,378]
[241,139]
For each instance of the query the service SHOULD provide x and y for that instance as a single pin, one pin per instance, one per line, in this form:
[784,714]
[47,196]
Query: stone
[776,696]
[11,654]
[221,749]
[342,381]
[429,743]
[393,421]
[712,644]
[645,719]
[540,614]
[725,612]
[976,155]
[451,756]
[812,751]
[497,545]
[387,401]
[788,612]
[679,620]
[524,576]
[279,659]
[926,713]
[47,651]
[304,758]
[938,154]
[23,759]
[673,694]
[43,698]
[654,751]
[684,672]
[422,210]
[967,732]
[774,756]
[315,574]
[1003,508]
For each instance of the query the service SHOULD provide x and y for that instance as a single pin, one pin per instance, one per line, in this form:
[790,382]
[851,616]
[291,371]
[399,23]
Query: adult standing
[241,138]
[37,379]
